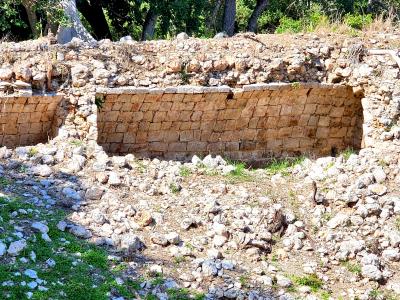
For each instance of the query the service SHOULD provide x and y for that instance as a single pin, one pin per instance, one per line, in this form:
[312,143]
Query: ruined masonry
[173,99]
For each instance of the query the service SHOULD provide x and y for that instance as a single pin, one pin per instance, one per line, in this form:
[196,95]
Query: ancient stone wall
[250,96]
[28,120]
[253,123]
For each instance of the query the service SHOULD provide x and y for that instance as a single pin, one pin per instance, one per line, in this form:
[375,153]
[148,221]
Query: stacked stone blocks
[248,124]
[27,120]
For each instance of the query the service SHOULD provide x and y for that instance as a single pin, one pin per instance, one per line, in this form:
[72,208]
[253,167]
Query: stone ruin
[246,98]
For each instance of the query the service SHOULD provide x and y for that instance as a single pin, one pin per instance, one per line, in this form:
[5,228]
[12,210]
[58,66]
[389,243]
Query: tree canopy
[151,19]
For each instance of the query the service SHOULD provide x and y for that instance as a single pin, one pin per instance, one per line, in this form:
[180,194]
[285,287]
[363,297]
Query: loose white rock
[16,247]
[40,227]
[31,273]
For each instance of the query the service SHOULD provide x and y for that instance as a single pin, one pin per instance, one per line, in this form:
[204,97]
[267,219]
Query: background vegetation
[152,19]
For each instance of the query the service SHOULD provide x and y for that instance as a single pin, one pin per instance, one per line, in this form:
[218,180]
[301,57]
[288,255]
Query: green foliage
[310,21]
[397,223]
[174,188]
[179,259]
[184,75]
[347,153]
[4,182]
[158,280]
[325,295]
[12,18]
[243,13]
[99,101]
[184,171]
[96,258]
[32,152]
[239,170]
[358,21]
[178,294]
[295,85]
[239,173]
[311,281]
[76,143]
[289,25]
[244,280]
[282,166]
[354,268]
[9,16]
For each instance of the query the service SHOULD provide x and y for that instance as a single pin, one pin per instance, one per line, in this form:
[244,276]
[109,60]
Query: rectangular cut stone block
[158,146]
[260,111]
[115,137]
[129,138]
[209,115]
[171,136]
[186,136]
[196,147]
[218,146]
[178,147]
[35,128]
[273,111]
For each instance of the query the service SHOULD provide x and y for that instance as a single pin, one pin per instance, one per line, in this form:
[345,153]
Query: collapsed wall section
[253,123]
[28,120]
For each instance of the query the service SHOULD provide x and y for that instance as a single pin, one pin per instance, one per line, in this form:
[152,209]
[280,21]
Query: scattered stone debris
[221,224]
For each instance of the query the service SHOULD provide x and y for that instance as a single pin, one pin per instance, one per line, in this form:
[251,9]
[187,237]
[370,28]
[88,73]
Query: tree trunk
[93,13]
[258,10]
[149,24]
[229,17]
[75,28]
[213,17]
[32,18]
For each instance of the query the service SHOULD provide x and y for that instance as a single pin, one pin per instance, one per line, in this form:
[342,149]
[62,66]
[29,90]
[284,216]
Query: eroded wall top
[244,59]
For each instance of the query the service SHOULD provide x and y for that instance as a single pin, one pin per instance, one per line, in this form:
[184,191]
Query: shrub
[311,281]
[357,21]
[289,25]
[315,18]
[311,20]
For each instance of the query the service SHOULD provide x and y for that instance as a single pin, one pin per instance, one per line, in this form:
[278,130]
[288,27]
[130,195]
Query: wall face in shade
[246,125]
[28,120]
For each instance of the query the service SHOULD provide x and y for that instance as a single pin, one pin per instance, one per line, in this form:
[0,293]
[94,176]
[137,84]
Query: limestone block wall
[253,123]
[28,120]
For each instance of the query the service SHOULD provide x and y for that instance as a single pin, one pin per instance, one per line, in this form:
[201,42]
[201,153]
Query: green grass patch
[244,280]
[347,153]
[141,167]
[282,166]
[179,259]
[184,171]
[96,258]
[174,188]
[312,281]
[240,172]
[178,294]
[325,295]
[32,152]
[158,280]
[4,182]
[354,268]
[358,21]
[76,143]
[82,271]
[397,223]
[150,297]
